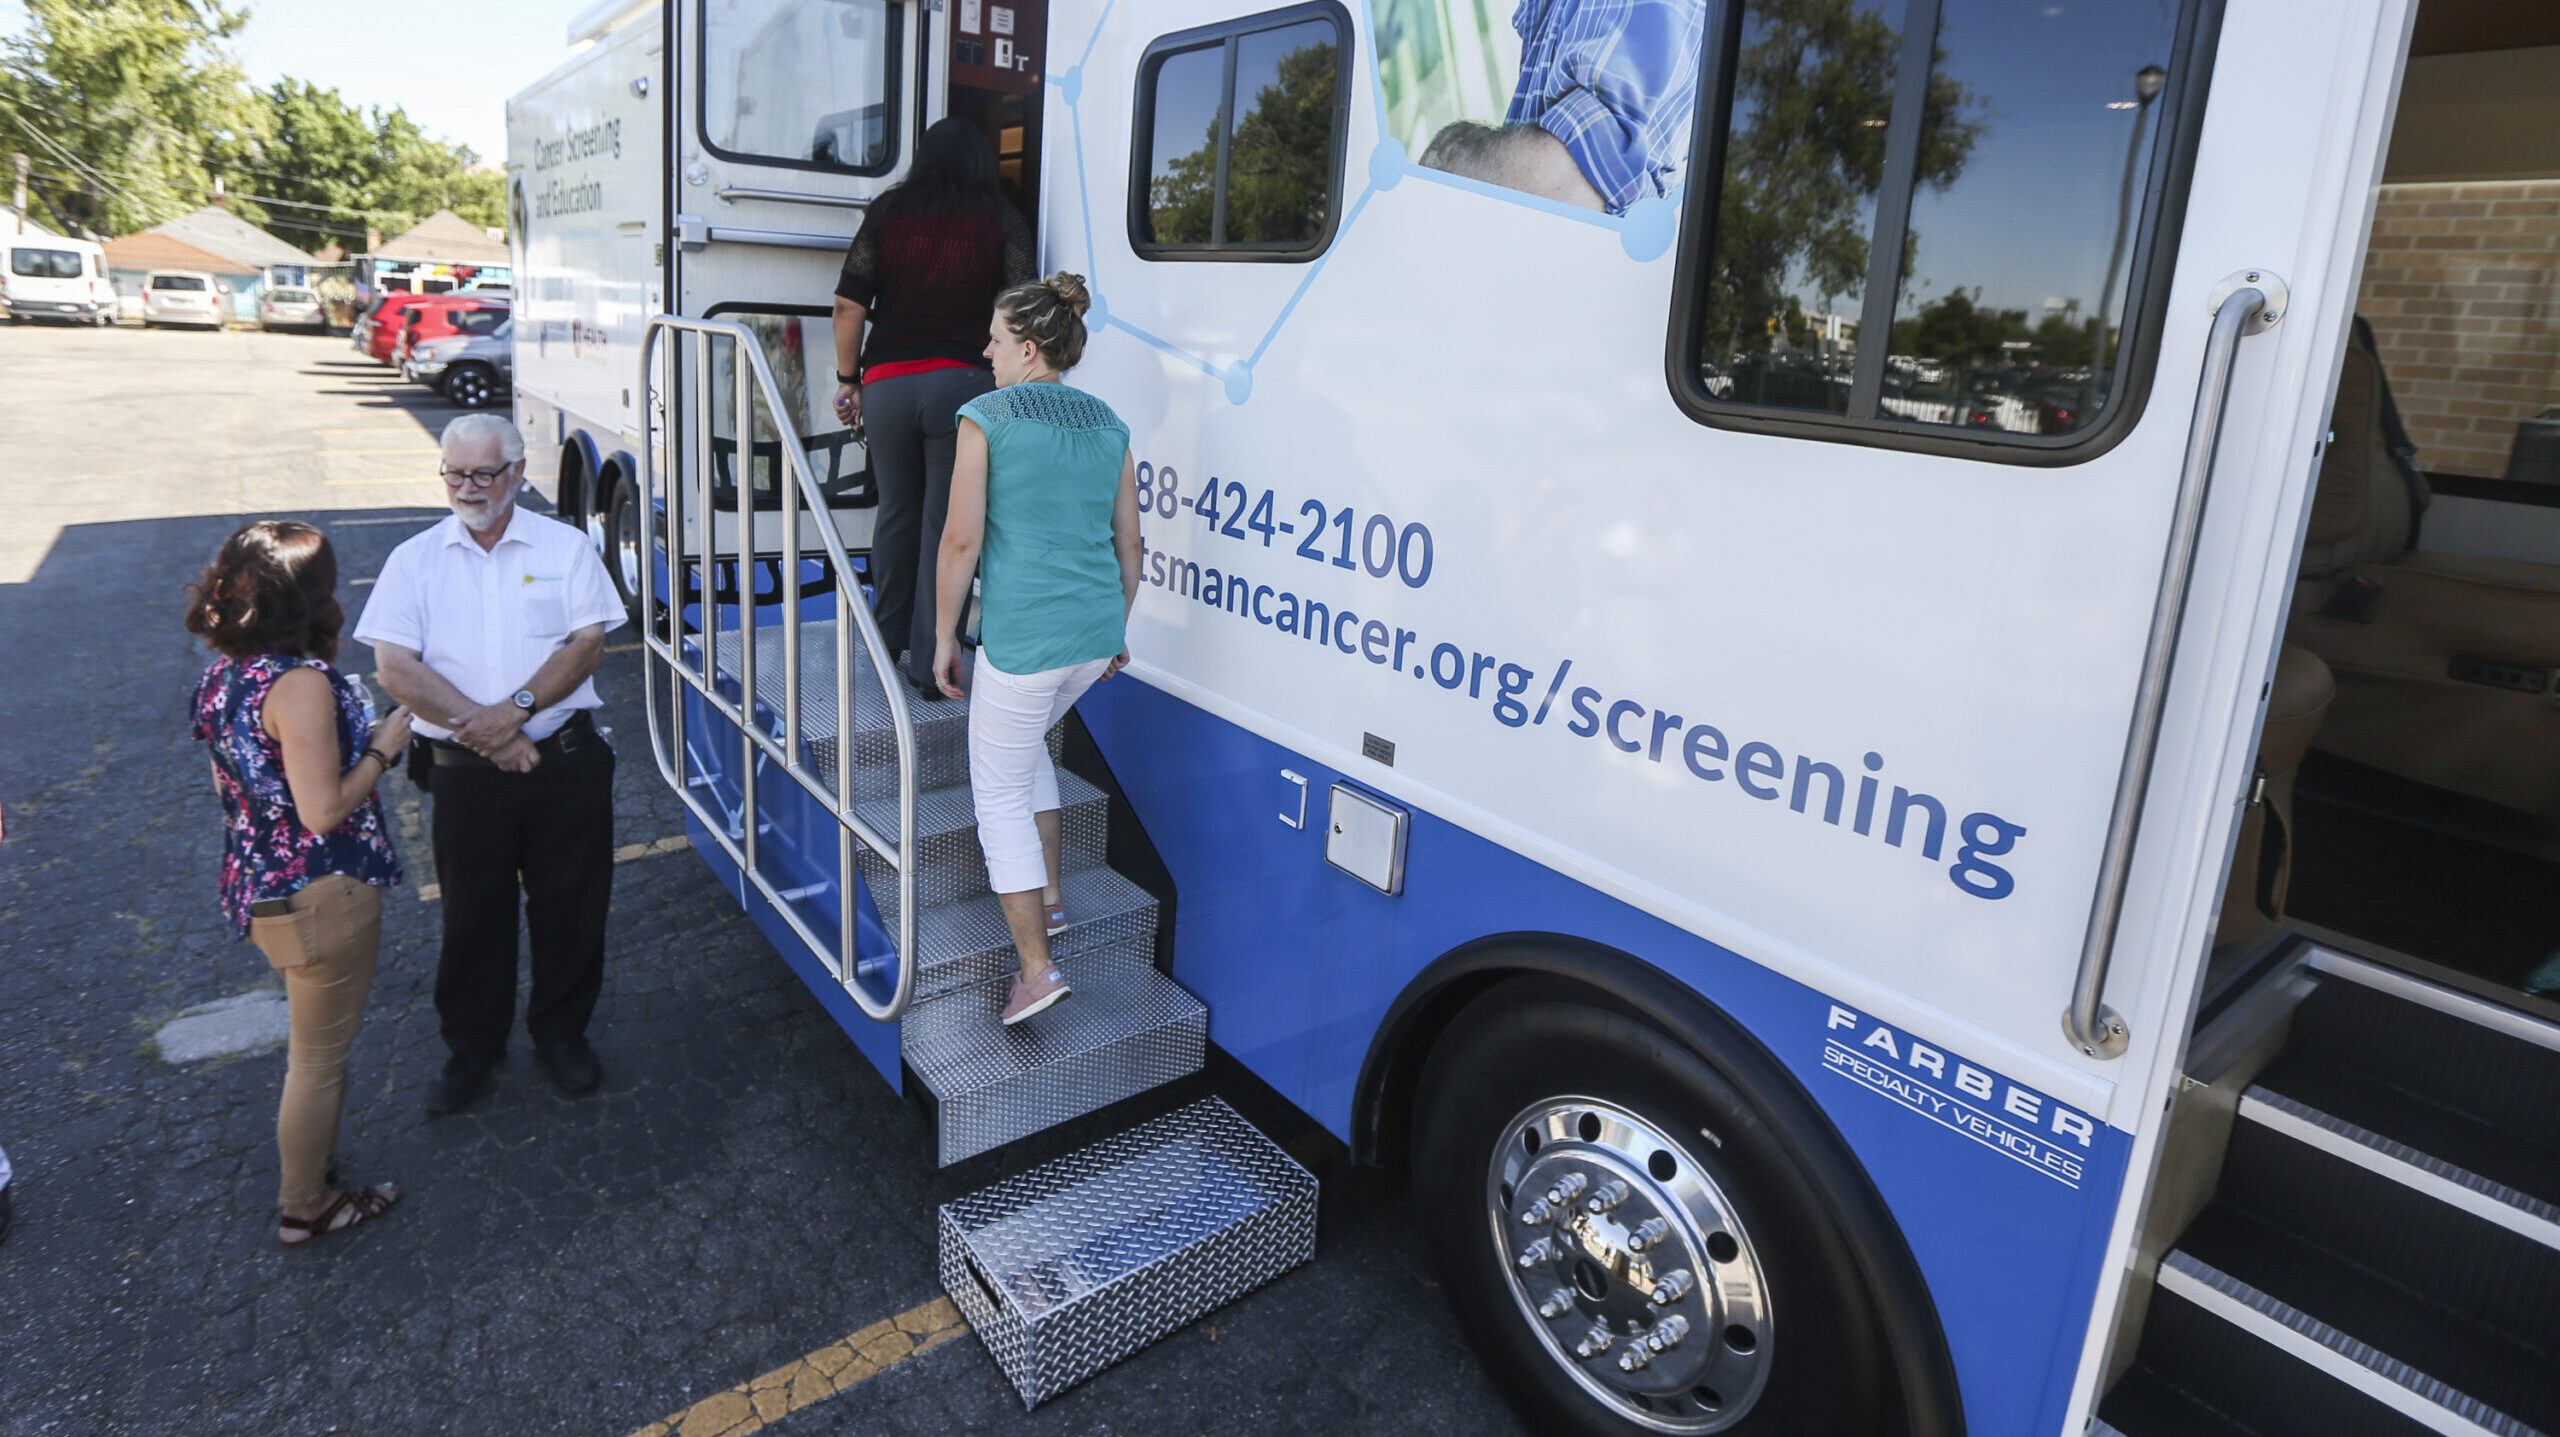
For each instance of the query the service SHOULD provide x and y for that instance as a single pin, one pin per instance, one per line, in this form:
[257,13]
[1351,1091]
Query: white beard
[488,516]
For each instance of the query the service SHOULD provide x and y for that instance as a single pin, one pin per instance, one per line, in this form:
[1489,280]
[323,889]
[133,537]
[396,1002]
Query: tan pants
[324,950]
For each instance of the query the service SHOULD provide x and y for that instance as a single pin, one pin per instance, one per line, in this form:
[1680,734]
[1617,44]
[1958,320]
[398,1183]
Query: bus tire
[625,540]
[1778,1333]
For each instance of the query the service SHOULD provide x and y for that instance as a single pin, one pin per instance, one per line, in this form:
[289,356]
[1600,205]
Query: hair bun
[1071,292]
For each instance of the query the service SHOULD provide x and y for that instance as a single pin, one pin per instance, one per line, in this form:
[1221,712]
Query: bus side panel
[583,164]
[2004,1195]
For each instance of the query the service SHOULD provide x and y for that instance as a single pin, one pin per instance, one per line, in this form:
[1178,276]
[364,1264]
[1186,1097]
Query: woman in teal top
[1044,514]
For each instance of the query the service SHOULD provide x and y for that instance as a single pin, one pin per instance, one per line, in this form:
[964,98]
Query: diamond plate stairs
[1073,1265]
[1128,1028]
[1076,1264]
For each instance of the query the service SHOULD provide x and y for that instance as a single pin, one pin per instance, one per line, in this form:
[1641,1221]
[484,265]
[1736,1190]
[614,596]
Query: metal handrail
[2096,1029]
[781,747]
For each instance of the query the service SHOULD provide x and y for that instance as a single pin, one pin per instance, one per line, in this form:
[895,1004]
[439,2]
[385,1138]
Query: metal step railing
[665,645]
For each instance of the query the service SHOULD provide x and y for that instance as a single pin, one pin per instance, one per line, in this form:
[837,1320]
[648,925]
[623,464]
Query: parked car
[473,368]
[179,296]
[380,333]
[290,308]
[49,278]
[441,317]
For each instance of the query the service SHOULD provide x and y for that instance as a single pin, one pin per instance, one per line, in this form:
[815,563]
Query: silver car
[290,308]
[471,369]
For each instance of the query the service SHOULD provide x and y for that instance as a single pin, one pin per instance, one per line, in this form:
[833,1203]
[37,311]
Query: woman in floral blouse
[296,754]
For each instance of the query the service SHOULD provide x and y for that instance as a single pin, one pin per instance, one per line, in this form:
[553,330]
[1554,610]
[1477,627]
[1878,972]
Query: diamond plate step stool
[1076,1264]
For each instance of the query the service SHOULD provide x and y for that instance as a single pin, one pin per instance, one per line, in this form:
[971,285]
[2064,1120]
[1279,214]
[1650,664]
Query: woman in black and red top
[934,252]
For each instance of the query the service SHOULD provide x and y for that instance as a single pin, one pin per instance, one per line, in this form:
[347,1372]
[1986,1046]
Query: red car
[380,332]
[476,314]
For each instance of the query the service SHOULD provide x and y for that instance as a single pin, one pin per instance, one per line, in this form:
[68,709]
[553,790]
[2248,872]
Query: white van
[49,277]
[183,296]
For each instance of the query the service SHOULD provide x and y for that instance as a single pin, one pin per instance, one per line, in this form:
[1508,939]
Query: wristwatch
[524,700]
[843,378]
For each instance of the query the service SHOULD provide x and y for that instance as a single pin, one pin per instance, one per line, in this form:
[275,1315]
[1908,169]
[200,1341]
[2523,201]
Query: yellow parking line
[430,892]
[361,453]
[624,648]
[748,1407]
[377,483]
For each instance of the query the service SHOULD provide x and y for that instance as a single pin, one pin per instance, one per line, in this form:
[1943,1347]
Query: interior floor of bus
[2430,874]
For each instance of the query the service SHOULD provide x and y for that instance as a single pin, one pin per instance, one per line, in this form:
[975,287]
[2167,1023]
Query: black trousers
[551,831]
[912,424]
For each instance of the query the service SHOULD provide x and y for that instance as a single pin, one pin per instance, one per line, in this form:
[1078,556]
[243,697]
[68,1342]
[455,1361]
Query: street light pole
[2147,84]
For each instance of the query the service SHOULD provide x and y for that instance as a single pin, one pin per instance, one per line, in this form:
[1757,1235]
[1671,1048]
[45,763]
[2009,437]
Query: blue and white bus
[1873,679]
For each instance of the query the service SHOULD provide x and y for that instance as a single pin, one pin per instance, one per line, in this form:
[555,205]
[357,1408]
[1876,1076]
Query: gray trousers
[912,423]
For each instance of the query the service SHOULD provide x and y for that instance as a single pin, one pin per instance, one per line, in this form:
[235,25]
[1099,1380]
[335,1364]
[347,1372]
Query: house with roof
[442,252]
[242,258]
[132,258]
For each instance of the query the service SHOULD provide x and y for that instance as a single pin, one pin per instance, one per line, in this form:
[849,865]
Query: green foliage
[355,167]
[1956,329]
[1279,164]
[125,106]
[1814,89]
[129,109]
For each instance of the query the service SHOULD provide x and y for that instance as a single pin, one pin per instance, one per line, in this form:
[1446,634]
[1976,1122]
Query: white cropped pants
[1010,776]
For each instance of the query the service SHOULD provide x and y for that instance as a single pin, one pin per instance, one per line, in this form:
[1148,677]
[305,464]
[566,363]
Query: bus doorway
[2352,1227]
[998,48]
[2425,818]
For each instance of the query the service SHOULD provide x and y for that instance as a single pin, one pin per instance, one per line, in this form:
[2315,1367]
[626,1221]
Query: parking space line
[377,483]
[627,853]
[360,453]
[624,648]
[840,1365]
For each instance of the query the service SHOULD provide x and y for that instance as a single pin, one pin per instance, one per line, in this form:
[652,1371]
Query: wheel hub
[1631,1265]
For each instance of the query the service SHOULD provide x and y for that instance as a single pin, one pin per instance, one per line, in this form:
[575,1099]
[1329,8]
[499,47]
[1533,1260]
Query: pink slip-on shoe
[1041,992]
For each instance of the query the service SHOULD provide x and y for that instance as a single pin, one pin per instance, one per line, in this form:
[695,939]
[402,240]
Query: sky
[451,64]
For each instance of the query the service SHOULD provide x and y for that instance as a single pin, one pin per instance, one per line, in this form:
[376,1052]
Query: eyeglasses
[476,478]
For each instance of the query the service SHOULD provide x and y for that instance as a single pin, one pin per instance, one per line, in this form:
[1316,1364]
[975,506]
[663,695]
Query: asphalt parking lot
[745,1198]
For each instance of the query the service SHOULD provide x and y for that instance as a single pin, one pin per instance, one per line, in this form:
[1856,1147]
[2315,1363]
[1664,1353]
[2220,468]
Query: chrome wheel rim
[1630,1265]
[626,540]
[470,390]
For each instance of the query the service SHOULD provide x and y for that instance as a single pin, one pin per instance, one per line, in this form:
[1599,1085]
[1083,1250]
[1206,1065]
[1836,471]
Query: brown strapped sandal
[350,1207]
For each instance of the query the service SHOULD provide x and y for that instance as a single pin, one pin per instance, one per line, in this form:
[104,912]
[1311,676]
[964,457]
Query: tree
[1813,91]
[1278,164]
[124,106]
[1955,329]
[341,168]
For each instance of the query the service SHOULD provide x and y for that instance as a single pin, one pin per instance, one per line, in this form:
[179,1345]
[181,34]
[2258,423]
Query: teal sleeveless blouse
[1048,580]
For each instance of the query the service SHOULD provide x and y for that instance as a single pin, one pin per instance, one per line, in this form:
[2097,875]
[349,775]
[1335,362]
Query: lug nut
[1673,1287]
[1650,1234]
[1565,1188]
[1558,1303]
[1667,1333]
[1539,1252]
[1635,1359]
[1593,1343]
[1609,1195]
[1537,1212]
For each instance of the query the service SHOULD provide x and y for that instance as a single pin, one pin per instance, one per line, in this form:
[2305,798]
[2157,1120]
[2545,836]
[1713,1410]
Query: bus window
[1915,234]
[1240,138]
[805,84]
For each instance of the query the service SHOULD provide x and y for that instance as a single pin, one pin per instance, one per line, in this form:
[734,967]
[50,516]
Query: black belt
[576,734]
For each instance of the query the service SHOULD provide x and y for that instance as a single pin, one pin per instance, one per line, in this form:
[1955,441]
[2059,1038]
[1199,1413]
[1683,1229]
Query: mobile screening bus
[1874,679]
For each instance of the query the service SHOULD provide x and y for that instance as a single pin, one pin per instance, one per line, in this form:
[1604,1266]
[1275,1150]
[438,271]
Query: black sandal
[350,1207]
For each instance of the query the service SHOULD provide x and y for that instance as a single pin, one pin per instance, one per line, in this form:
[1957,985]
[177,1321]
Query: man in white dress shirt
[489,626]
